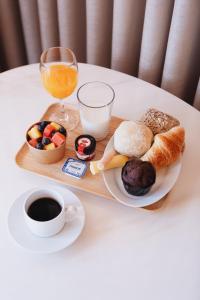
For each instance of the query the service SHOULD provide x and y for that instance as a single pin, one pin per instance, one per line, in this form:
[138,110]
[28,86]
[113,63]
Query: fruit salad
[46,135]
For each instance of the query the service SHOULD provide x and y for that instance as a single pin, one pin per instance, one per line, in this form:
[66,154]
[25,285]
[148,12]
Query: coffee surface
[44,209]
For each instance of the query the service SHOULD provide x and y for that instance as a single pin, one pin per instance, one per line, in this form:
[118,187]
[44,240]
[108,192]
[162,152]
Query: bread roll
[158,121]
[132,139]
[166,148]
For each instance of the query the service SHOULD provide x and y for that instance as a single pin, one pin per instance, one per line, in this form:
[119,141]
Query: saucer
[26,239]
[165,180]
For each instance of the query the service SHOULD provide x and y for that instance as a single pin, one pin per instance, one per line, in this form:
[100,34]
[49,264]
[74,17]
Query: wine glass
[59,73]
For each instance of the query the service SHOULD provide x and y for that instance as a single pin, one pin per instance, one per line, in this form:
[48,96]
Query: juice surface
[59,80]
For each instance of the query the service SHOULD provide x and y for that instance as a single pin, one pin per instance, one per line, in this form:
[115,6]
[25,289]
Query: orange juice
[59,80]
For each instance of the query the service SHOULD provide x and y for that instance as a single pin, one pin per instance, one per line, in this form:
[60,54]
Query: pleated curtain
[155,40]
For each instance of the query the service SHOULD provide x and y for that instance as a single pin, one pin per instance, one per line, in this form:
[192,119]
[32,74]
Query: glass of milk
[96,100]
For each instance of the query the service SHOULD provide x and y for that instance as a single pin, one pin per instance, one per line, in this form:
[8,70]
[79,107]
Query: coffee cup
[46,213]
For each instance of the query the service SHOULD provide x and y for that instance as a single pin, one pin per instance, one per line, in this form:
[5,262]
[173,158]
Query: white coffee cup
[53,226]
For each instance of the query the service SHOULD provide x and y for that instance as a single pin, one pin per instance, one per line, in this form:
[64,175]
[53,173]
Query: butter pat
[74,167]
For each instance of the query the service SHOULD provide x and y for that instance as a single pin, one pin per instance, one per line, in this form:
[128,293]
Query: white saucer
[23,236]
[165,180]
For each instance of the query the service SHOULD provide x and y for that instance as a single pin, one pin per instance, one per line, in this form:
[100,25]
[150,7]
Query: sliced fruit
[50,146]
[46,141]
[42,125]
[39,146]
[48,130]
[33,142]
[63,131]
[39,140]
[34,133]
[52,133]
[117,161]
[58,139]
[55,125]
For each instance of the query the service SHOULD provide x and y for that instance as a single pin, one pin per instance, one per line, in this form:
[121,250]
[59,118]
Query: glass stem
[62,107]
[64,114]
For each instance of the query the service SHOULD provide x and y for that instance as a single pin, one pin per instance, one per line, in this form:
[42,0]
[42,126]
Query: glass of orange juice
[59,73]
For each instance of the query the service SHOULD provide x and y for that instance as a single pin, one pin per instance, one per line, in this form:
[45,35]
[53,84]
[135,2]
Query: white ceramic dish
[165,180]
[26,239]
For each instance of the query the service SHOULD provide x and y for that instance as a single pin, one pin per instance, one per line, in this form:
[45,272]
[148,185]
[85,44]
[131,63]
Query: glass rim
[51,48]
[90,82]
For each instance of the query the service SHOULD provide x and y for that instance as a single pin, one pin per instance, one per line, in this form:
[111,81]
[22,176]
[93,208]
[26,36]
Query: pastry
[138,177]
[132,139]
[106,158]
[118,161]
[158,121]
[166,148]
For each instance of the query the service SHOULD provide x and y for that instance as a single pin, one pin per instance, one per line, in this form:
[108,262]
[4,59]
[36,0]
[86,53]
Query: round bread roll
[132,139]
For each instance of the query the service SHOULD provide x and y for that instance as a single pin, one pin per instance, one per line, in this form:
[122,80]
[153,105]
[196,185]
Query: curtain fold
[155,40]
[31,29]
[181,66]
[48,21]
[99,31]
[72,26]
[128,19]
[12,43]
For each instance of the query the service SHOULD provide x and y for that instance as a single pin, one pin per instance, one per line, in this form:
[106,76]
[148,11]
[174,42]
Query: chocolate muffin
[138,177]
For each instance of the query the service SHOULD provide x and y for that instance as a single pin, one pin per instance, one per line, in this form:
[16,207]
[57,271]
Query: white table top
[123,253]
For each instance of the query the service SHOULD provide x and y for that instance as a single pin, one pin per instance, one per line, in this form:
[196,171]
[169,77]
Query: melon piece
[55,125]
[34,133]
[48,130]
[50,146]
[58,139]
[33,142]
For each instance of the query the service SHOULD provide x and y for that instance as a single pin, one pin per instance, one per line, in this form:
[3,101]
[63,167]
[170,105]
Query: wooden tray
[89,183]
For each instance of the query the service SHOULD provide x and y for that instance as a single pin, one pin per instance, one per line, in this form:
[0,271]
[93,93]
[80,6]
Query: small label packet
[74,167]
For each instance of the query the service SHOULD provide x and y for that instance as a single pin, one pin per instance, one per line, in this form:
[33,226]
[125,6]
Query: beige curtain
[155,40]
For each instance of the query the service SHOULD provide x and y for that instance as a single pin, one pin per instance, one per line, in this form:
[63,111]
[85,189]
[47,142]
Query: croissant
[166,148]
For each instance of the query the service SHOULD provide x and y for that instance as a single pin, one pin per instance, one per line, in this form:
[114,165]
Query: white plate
[165,180]
[23,236]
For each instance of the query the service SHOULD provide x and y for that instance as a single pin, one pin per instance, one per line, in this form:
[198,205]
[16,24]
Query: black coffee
[44,209]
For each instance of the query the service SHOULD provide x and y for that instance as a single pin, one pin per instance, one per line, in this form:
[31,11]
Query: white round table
[123,253]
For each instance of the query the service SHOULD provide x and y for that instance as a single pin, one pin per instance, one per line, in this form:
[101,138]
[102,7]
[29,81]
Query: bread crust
[159,121]
[166,148]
